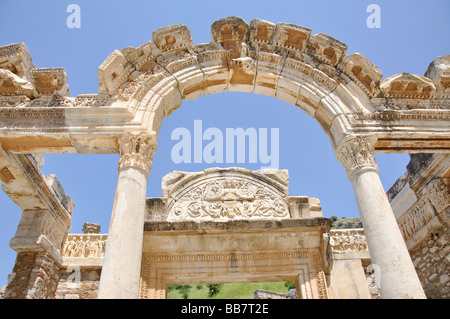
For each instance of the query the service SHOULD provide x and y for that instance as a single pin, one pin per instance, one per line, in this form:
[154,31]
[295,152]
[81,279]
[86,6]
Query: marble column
[121,268]
[387,248]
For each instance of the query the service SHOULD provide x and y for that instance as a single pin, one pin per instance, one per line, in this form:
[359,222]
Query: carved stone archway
[138,87]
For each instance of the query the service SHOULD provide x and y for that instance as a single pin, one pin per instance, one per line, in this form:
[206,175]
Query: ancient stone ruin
[228,225]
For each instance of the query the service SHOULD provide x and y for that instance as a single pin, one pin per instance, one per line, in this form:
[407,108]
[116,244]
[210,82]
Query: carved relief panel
[226,194]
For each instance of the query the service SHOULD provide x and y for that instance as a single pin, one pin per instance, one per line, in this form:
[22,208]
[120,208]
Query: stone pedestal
[38,242]
[387,248]
[122,262]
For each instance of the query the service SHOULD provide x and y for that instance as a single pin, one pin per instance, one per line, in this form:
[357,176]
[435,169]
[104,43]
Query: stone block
[326,48]
[406,85]
[56,186]
[260,35]
[50,81]
[229,29]
[113,72]
[173,37]
[17,59]
[12,84]
[242,74]
[439,72]
[291,37]
[269,67]
[222,193]
[365,74]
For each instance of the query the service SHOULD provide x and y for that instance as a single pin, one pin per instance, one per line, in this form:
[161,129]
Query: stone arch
[282,61]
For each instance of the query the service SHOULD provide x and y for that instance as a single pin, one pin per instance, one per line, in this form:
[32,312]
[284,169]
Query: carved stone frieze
[225,194]
[435,199]
[84,246]
[347,240]
[229,199]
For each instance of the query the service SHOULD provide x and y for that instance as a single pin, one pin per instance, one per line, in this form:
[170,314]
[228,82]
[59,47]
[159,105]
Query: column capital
[357,154]
[137,150]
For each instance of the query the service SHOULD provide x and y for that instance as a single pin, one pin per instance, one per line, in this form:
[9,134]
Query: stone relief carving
[226,194]
[351,240]
[84,246]
[433,202]
[229,199]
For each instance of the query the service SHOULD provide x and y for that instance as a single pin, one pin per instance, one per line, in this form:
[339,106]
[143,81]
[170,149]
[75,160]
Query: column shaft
[387,248]
[388,251]
[121,270]
[122,262]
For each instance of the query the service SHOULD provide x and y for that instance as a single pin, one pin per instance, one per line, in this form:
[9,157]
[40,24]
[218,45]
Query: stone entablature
[254,250]
[433,203]
[139,86]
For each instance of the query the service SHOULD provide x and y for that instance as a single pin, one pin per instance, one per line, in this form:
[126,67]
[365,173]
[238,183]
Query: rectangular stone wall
[35,276]
[432,261]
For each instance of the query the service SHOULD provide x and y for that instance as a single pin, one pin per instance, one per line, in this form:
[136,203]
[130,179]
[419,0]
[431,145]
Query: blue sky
[412,34]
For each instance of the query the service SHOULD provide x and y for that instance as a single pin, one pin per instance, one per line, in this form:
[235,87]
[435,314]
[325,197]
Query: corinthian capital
[357,154]
[137,150]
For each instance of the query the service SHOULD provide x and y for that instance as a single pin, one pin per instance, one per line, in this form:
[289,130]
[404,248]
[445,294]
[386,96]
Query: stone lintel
[82,263]
[323,224]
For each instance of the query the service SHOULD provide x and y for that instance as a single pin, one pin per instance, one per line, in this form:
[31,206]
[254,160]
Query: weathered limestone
[82,256]
[386,246]
[232,225]
[348,252]
[420,201]
[140,86]
[45,221]
[439,72]
[122,261]
[35,276]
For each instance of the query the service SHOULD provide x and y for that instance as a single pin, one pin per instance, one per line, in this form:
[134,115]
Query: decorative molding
[84,246]
[156,268]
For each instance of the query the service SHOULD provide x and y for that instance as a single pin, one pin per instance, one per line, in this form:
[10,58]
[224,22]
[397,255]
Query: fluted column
[122,262]
[387,248]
